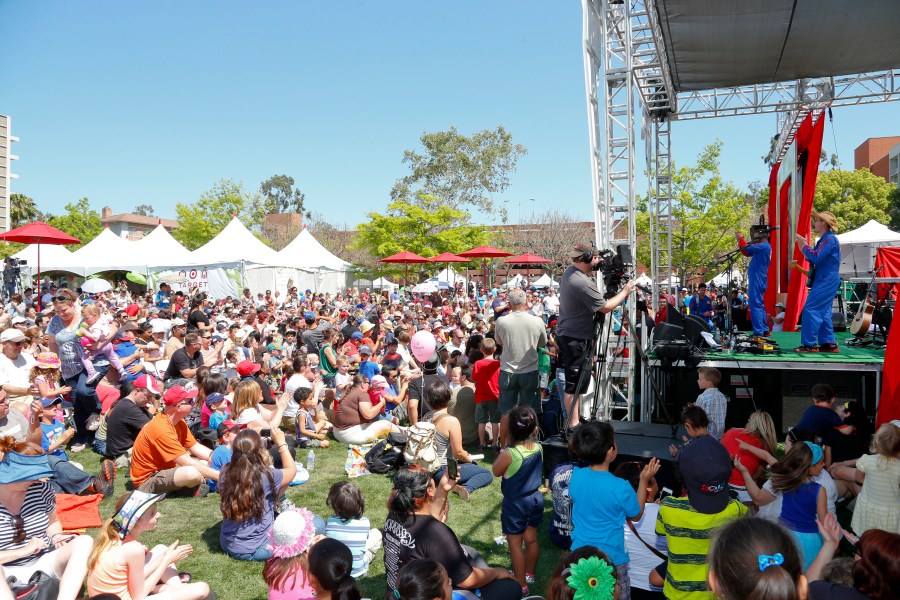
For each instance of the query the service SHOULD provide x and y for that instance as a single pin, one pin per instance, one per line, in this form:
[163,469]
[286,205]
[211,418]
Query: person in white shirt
[778,324]
[551,302]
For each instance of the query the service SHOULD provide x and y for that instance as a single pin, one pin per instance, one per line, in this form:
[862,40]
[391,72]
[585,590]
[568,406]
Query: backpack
[421,448]
[387,454]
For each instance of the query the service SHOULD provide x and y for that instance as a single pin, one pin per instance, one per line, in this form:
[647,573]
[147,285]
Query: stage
[777,383]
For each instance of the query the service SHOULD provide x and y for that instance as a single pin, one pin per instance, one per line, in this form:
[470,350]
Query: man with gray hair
[520,334]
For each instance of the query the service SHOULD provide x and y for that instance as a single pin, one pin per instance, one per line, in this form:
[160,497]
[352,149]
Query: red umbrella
[448,258]
[526,259]
[405,258]
[484,253]
[39,233]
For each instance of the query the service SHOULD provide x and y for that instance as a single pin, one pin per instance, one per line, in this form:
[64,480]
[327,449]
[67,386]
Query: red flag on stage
[889,402]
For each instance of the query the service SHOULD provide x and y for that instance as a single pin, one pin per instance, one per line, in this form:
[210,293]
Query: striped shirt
[39,503]
[688,534]
[354,533]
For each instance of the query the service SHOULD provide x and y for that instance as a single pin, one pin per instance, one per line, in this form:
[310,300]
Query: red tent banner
[792,185]
[888,259]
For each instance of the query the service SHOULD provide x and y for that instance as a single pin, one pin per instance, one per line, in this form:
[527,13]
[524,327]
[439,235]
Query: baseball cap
[47,402]
[16,320]
[246,368]
[145,382]
[356,336]
[132,310]
[274,346]
[158,326]
[178,322]
[214,397]
[781,304]
[309,316]
[705,467]
[12,335]
[378,381]
[364,349]
[228,425]
[178,394]
[580,248]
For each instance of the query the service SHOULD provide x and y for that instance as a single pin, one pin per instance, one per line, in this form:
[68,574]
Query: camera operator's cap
[828,217]
[580,248]
[12,335]
[705,466]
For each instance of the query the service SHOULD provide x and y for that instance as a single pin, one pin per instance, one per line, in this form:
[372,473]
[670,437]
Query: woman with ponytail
[423,579]
[31,537]
[248,488]
[415,528]
[330,563]
[756,558]
[120,564]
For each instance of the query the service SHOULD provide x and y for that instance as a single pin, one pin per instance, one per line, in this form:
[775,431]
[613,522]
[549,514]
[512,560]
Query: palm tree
[22,210]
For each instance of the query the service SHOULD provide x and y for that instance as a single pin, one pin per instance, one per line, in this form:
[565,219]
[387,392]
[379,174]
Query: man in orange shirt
[166,457]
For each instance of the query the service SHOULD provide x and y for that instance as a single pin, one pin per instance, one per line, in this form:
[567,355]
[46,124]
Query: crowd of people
[187,394]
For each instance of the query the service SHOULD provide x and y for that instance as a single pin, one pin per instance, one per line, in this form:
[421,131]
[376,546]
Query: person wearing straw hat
[817,331]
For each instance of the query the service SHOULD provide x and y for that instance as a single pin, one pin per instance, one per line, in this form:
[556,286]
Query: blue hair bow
[766,561]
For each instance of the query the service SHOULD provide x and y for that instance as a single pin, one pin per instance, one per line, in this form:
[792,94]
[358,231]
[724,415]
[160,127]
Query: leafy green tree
[464,171]
[894,210]
[706,211]
[281,196]
[428,227]
[22,210]
[855,197]
[145,210]
[204,219]
[79,220]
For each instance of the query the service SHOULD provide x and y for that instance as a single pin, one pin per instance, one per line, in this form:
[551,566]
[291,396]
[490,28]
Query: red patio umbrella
[484,253]
[526,259]
[38,233]
[448,258]
[405,258]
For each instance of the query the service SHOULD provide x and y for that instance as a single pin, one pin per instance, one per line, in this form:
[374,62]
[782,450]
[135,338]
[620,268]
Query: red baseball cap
[178,394]
[147,383]
[246,368]
[132,310]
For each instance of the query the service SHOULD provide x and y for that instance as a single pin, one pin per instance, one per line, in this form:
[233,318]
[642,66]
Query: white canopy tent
[858,248]
[161,249]
[306,252]
[721,280]
[105,252]
[544,281]
[235,244]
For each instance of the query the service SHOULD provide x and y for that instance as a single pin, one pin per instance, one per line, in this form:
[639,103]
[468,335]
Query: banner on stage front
[217,282]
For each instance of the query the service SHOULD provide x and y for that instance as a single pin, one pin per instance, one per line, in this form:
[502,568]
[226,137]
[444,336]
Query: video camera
[614,265]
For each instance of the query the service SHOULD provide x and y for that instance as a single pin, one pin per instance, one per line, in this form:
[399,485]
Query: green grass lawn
[196,521]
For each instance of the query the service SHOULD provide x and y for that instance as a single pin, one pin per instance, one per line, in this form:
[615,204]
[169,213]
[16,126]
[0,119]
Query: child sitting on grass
[55,435]
[311,429]
[226,431]
[599,517]
[286,572]
[122,566]
[350,526]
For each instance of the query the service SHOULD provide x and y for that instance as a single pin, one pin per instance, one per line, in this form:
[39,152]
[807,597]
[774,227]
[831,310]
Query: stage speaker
[667,332]
[693,326]
[839,321]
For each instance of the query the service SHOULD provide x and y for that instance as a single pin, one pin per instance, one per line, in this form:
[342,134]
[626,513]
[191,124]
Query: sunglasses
[61,299]
[19,535]
[16,343]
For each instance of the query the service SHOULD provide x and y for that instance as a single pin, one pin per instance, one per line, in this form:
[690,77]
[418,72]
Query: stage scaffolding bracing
[627,69]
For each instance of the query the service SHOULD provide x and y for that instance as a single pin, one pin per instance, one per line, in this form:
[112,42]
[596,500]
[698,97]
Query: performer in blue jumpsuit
[825,262]
[760,253]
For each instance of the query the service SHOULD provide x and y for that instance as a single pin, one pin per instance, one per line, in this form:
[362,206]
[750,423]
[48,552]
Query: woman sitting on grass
[356,418]
[249,488]
[121,565]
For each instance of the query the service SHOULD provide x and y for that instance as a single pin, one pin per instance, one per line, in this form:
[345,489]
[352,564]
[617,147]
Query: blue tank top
[527,479]
[798,508]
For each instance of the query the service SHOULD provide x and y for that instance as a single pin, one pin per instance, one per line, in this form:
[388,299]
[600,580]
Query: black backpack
[387,455]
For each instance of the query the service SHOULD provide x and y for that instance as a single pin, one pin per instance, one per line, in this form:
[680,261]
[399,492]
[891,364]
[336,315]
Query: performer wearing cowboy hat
[825,261]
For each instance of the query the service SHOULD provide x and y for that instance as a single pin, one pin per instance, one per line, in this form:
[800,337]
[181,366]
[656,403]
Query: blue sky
[129,103]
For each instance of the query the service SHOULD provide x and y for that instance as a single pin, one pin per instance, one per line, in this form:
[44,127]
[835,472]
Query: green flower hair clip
[592,579]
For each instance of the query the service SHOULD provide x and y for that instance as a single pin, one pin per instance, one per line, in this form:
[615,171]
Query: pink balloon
[422,345]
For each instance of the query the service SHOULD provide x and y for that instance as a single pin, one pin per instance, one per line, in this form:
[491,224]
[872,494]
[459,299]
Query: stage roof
[727,43]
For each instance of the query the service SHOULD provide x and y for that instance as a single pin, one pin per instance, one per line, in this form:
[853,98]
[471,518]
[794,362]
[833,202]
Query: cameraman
[579,301]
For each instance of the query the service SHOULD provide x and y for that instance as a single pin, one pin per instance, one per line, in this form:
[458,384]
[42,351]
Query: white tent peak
[235,244]
[871,233]
[305,251]
[164,248]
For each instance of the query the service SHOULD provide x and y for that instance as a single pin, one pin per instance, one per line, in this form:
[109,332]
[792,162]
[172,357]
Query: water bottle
[310,460]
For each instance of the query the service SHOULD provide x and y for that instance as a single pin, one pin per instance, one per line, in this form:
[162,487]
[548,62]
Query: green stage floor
[788,341]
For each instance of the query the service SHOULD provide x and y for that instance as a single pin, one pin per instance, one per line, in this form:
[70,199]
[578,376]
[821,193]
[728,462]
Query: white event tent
[858,248]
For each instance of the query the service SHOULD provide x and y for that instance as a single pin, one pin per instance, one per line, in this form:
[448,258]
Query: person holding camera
[579,301]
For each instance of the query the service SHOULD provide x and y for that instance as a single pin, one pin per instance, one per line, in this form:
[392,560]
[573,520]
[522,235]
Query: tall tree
[705,213]
[79,220]
[428,227]
[550,235]
[855,197]
[201,221]
[280,195]
[464,171]
[339,240]
[22,210]
[894,210]
[145,210]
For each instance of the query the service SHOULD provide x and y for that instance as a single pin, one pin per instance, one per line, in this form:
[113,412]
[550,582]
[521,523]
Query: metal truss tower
[625,64]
